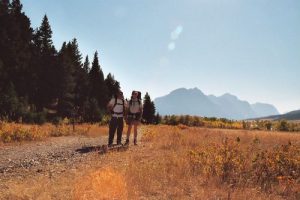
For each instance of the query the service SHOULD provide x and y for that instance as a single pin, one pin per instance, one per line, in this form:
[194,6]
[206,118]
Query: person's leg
[128,133]
[112,130]
[120,130]
[135,132]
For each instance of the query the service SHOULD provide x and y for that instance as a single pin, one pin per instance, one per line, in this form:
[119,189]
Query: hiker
[134,115]
[117,107]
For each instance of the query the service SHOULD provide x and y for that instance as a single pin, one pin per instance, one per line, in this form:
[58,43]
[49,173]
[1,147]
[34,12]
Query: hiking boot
[134,142]
[127,142]
[120,144]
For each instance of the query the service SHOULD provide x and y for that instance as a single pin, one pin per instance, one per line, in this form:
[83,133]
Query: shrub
[283,126]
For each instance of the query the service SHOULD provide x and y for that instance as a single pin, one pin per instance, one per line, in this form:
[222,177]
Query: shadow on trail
[89,149]
[102,149]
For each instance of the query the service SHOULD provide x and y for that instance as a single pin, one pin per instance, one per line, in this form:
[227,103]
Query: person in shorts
[134,115]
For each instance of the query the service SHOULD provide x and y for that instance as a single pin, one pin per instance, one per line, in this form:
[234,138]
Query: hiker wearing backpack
[134,115]
[117,108]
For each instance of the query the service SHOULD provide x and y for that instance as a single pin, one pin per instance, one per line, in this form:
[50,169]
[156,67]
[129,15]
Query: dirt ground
[54,160]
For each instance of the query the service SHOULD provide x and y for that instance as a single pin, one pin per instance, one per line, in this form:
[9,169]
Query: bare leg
[135,132]
[128,132]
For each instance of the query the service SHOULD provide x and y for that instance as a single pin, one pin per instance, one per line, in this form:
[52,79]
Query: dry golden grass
[199,163]
[103,184]
[180,162]
[14,132]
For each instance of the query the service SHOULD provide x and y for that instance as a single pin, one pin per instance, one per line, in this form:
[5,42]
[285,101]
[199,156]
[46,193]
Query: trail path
[37,155]
[47,169]
[40,156]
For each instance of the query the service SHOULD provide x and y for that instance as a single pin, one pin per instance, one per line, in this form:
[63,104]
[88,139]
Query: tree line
[39,83]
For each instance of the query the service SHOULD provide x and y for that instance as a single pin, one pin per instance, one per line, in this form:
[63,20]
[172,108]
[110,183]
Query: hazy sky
[249,48]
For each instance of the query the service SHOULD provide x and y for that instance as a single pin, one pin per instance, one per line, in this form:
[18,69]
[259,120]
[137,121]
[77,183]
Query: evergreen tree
[112,85]
[2,76]
[36,79]
[80,75]
[4,24]
[11,107]
[148,110]
[15,41]
[16,7]
[97,84]
[4,4]
[48,67]
[92,111]
[45,38]
[157,119]
[86,65]
[66,82]
[20,38]
[8,101]
[76,55]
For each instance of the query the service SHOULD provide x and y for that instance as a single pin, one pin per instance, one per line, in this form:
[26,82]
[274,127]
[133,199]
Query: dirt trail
[67,151]
[37,155]
[31,169]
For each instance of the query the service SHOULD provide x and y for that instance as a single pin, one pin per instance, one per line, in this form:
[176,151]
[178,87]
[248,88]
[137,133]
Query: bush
[57,120]
[105,120]
[283,126]
[35,118]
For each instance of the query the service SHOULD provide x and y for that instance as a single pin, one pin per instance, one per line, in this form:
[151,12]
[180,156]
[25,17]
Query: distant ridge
[293,115]
[194,102]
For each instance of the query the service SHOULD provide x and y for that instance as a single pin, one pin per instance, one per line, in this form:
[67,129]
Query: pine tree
[20,34]
[80,75]
[33,75]
[66,82]
[92,111]
[98,87]
[4,4]
[86,65]
[47,68]
[15,40]
[10,106]
[157,119]
[16,7]
[4,45]
[45,37]
[148,110]
[112,85]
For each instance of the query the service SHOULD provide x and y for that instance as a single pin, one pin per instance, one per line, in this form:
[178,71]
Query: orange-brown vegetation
[14,132]
[213,122]
[182,162]
[200,163]
[104,183]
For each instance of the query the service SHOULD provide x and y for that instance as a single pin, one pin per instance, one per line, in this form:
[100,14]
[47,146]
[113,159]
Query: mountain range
[293,115]
[193,101]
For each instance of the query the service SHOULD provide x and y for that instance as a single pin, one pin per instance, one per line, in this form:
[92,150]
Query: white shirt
[118,109]
[135,107]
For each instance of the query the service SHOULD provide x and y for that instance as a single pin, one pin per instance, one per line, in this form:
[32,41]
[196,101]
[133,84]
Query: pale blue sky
[249,48]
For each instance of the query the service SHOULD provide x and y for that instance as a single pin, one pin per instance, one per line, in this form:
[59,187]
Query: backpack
[139,97]
[116,103]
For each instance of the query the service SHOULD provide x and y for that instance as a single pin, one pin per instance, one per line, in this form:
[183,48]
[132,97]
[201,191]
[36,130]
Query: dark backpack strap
[123,107]
[116,103]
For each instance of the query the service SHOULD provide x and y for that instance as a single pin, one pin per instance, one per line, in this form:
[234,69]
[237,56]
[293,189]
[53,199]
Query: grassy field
[14,132]
[217,163]
[180,162]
